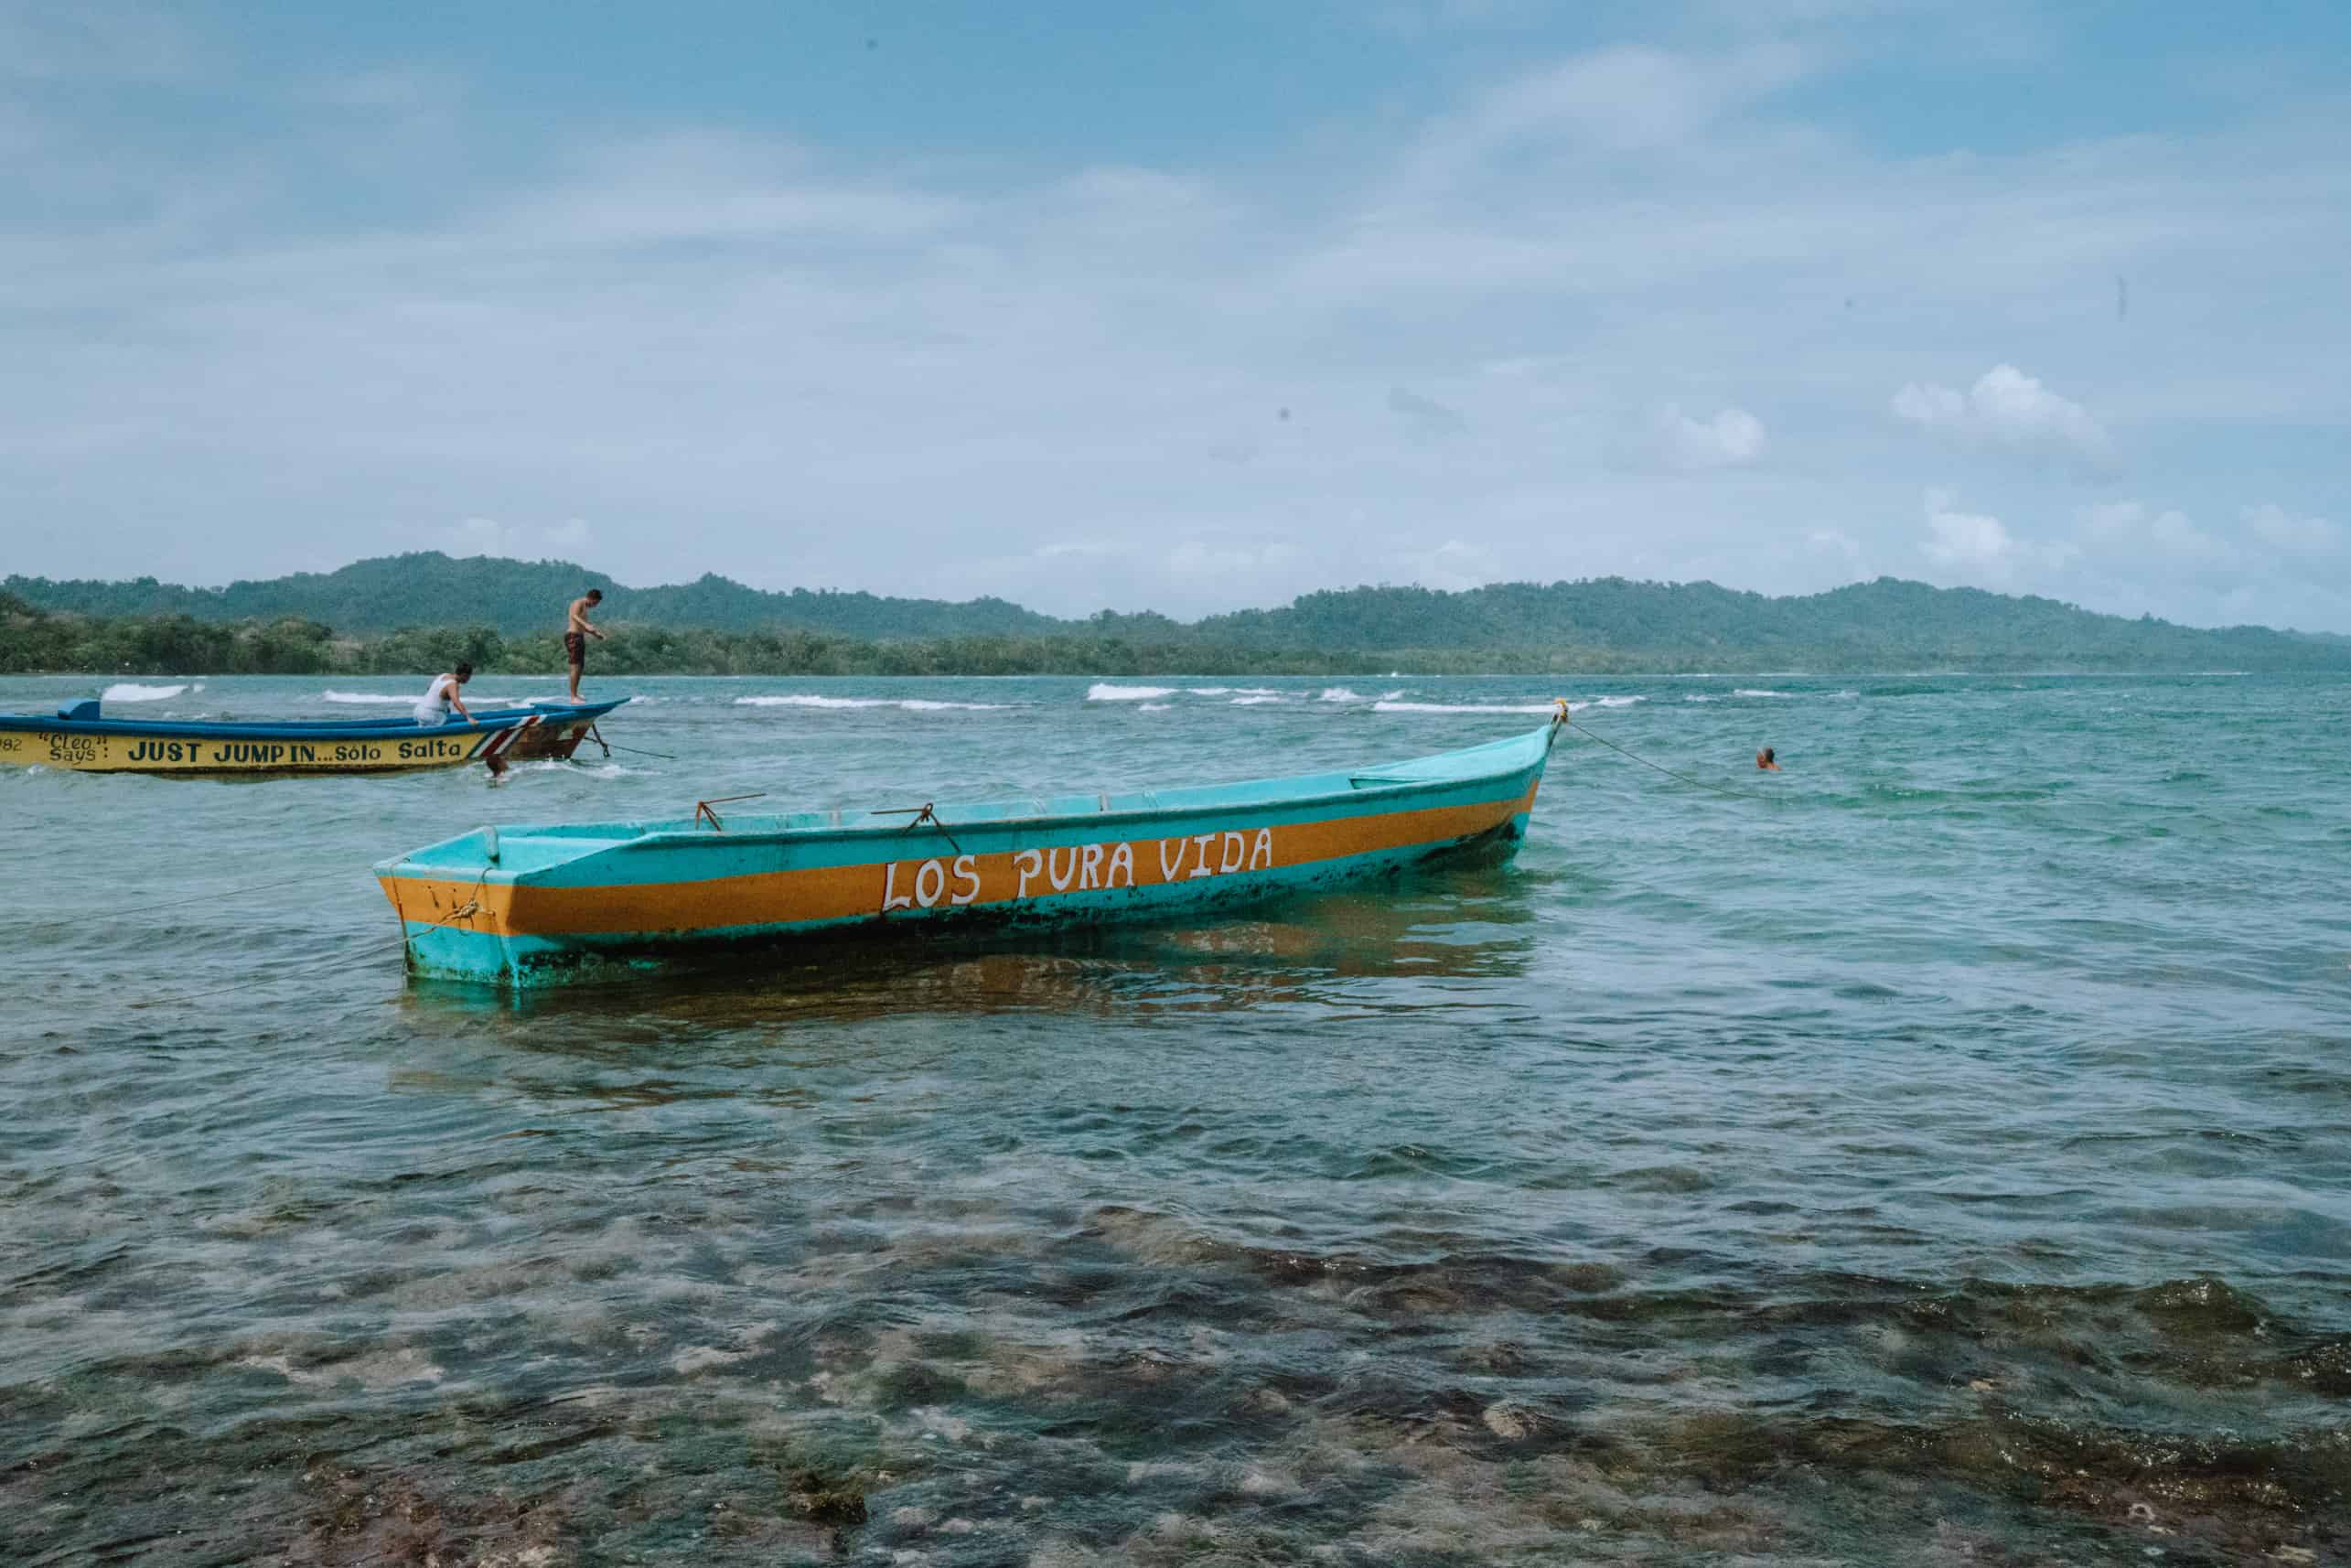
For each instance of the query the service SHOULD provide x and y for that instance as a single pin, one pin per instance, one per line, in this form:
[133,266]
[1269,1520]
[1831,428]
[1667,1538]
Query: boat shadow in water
[1463,920]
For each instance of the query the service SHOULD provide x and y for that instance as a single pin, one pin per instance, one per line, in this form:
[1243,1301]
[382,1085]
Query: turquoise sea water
[1939,1152]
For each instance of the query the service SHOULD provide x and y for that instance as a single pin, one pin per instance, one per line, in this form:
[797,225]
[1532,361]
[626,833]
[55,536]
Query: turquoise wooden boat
[82,737]
[518,905]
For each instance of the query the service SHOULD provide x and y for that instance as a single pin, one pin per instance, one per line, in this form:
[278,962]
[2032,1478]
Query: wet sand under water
[1943,1165]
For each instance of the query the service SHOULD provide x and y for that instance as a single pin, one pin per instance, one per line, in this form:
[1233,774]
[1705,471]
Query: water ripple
[1938,1158]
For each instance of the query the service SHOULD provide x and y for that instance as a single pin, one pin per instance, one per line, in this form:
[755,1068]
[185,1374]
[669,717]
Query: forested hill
[1604,623]
[514,598]
[1886,625]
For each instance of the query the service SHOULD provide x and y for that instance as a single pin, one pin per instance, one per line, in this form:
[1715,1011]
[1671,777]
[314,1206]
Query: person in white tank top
[443,696]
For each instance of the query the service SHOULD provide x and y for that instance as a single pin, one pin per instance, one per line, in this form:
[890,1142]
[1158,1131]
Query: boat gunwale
[488,721]
[587,833]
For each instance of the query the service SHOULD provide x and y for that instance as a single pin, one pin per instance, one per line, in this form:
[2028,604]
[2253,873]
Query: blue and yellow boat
[520,904]
[80,737]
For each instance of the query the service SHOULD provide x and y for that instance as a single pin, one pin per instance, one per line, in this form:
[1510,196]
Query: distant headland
[406,612]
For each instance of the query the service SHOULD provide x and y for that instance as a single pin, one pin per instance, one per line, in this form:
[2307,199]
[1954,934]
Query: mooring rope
[277,886]
[465,911]
[301,971]
[1735,793]
[598,735]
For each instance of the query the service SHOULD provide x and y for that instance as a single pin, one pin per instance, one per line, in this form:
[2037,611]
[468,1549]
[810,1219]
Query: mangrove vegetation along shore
[716,625]
[36,644]
[34,641]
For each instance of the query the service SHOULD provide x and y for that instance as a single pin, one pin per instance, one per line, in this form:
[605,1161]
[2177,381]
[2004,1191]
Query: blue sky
[1188,308]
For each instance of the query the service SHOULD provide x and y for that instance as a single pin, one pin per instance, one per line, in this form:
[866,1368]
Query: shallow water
[1935,1152]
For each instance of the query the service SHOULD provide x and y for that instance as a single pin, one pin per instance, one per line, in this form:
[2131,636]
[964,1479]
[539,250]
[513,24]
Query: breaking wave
[375,699]
[1387,707]
[1154,707]
[910,704]
[132,691]
[1252,702]
[1759,691]
[1107,692]
[574,769]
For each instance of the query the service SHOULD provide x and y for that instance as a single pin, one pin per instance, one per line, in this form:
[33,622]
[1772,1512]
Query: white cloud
[2136,522]
[2282,530]
[1977,548]
[1733,438]
[488,536]
[1453,565]
[1628,98]
[1835,542]
[2009,410]
[1080,550]
[482,536]
[2267,568]
[1240,563]
[2133,540]
[1968,541]
[1130,194]
[700,187]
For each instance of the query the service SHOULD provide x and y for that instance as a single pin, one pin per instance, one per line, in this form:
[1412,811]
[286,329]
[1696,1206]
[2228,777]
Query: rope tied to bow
[609,748]
[1567,721]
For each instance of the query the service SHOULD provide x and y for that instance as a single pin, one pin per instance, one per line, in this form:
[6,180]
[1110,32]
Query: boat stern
[456,899]
[559,730]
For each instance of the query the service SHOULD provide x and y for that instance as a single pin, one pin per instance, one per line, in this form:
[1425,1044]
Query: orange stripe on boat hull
[942,882]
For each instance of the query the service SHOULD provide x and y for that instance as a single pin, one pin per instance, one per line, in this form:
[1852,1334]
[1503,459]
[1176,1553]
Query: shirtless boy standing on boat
[576,634]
